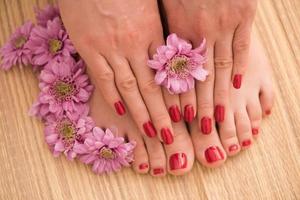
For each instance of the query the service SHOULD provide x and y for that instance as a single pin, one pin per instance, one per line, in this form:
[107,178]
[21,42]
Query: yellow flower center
[67,130]
[20,41]
[106,153]
[54,45]
[63,89]
[178,64]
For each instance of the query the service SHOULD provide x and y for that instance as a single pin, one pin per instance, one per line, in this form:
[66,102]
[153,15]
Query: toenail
[213,154]
[189,113]
[143,166]
[255,131]
[233,147]
[166,136]
[206,125]
[219,113]
[149,129]
[157,171]
[178,161]
[120,108]
[246,143]
[175,113]
[268,112]
[237,81]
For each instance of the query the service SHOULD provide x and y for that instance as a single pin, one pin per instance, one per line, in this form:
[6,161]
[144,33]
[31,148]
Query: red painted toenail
[143,166]
[255,131]
[233,147]
[189,113]
[178,161]
[149,129]
[175,113]
[213,154]
[268,112]
[246,143]
[219,113]
[237,81]
[158,171]
[206,125]
[166,136]
[120,108]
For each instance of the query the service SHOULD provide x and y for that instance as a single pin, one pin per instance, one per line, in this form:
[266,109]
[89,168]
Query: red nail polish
[206,125]
[158,171]
[166,136]
[175,113]
[178,161]
[213,154]
[255,131]
[233,147]
[149,129]
[219,113]
[189,113]
[237,81]
[246,143]
[143,166]
[120,108]
[268,112]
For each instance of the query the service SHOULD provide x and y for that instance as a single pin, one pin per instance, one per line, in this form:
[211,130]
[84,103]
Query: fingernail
[213,154]
[237,81]
[158,171]
[149,129]
[178,161]
[206,125]
[219,113]
[246,143]
[120,108]
[143,166]
[255,131]
[189,113]
[175,113]
[166,136]
[233,147]
[268,112]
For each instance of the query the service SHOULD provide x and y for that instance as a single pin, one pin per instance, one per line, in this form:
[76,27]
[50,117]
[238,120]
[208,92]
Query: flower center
[20,41]
[54,45]
[178,64]
[106,153]
[67,130]
[63,89]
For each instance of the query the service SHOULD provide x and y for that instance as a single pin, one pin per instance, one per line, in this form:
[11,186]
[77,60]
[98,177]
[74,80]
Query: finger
[173,104]
[188,105]
[241,45]
[127,85]
[223,70]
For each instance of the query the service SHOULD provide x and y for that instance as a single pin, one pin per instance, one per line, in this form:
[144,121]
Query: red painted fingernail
[233,147]
[178,161]
[120,108]
[219,113]
[175,113]
[189,113]
[149,129]
[206,125]
[213,154]
[268,112]
[166,136]
[143,166]
[158,171]
[255,131]
[237,81]
[246,143]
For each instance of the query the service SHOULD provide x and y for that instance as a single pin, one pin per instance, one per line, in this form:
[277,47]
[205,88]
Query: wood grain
[269,170]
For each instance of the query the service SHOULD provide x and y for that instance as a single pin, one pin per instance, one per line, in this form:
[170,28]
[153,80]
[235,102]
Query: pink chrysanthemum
[177,64]
[63,133]
[50,43]
[16,50]
[105,152]
[44,15]
[65,88]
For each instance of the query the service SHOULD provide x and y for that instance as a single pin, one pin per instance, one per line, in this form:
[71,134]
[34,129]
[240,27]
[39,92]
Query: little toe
[255,115]
[266,97]
[243,127]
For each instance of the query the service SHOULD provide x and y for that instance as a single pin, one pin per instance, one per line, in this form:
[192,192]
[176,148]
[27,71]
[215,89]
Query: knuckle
[241,45]
[161,118]
[210,78]
[150,87]
[105,76]
[228,133]
[221,93]
[128,83]
[223,63]
[204,106]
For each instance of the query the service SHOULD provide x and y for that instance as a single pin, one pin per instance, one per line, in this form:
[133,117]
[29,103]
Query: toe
[255,115]
[243,127]
[180,154]
[266,99]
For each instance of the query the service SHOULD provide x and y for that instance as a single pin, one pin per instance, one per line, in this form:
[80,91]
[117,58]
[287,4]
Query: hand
[116,38]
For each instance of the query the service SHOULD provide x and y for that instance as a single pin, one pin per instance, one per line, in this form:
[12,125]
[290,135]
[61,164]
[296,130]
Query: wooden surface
[269,170]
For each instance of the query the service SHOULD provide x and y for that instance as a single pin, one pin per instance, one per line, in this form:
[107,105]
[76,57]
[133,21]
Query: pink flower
[177,64]
[105,151]
[50,43]
[44,15]
[65,88]
[16,50]
[63,133]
